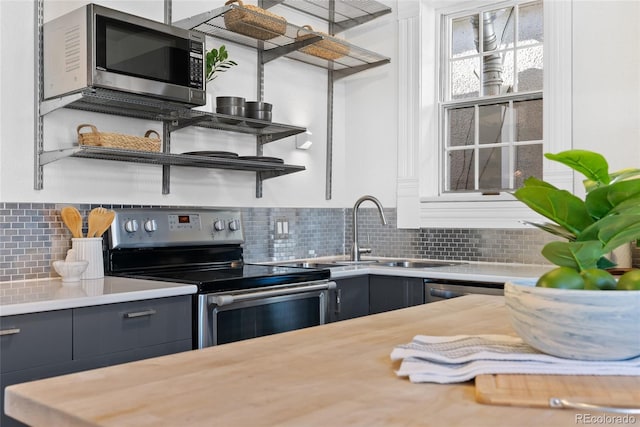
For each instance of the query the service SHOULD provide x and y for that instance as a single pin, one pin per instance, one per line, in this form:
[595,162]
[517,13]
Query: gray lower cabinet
[114,333]
[41,345]
[393,292]
[349,299]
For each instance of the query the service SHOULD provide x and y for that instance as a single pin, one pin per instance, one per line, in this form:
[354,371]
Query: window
[491,74]
[423,199]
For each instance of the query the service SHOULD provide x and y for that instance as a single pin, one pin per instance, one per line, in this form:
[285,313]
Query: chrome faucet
[355,249]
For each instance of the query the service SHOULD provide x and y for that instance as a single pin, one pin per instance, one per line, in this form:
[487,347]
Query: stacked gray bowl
[259,111]
[230,106]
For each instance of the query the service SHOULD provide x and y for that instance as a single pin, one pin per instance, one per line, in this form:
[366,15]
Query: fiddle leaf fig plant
[608,217]
[217,61]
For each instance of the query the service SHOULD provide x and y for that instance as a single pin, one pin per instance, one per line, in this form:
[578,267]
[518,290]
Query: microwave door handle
[226,299]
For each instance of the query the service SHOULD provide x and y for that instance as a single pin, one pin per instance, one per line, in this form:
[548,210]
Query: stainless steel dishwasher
[439,289]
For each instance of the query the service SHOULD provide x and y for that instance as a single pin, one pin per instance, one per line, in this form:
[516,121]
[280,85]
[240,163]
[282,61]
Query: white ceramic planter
[576,324]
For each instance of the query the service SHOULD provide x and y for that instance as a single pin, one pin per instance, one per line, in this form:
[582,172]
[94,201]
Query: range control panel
[157,227]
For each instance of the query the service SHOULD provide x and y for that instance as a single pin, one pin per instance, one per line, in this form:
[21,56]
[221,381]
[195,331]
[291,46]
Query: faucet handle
[364,250]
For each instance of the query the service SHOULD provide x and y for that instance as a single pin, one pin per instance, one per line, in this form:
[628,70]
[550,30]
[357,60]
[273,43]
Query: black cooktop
[215,268]
[246,276]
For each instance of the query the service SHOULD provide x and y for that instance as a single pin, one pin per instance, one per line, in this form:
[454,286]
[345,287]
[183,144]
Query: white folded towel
[461,357]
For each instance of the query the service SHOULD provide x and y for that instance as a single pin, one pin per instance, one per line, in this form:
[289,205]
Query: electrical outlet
[282,228]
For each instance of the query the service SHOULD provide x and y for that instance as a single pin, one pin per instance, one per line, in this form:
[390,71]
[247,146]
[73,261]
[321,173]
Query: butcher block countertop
[338,374]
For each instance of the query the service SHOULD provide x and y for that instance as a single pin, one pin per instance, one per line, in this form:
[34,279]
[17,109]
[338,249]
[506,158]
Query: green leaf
[592,165]
[601,201]
[621,175]
[613,231]
[624,174]
[532,181]
[217,62]
[604,263]
[619,230]
[628,207]
[608,218]
[560,206]
[554,229]
[578,255]
[623,190]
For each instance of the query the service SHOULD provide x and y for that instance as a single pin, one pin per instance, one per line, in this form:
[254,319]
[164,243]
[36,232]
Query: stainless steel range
[235,300]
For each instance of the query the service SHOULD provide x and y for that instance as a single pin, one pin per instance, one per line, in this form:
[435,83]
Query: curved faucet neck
[355,249]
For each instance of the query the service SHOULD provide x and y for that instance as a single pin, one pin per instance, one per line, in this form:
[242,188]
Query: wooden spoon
[94,220]
[100,220]
[107,219]
[73,220]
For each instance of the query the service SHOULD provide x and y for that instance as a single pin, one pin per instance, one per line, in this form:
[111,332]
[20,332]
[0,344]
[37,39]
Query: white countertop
[471,271]
[31,296]
[467,271]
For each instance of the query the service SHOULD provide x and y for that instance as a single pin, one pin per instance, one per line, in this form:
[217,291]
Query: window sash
[446,104]
[509,142]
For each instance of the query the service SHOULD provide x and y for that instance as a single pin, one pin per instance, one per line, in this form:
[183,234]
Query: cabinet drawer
[36,339]
[112,328]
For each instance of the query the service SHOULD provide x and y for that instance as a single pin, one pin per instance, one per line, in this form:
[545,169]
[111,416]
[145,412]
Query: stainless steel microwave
[98,47]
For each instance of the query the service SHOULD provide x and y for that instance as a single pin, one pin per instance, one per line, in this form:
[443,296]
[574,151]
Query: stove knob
[150,225]
[218,225]
[233,225]
[131,225]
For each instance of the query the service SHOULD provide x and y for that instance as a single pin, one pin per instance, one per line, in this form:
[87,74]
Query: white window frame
[420,201]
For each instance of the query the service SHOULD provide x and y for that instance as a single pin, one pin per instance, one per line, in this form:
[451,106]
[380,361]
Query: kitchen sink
[311,265]
[361,262]
[372,262]
[415,264]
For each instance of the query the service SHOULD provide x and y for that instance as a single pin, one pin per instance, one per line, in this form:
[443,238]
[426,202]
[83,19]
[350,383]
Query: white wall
[606,113]
[606,80]
[298,92]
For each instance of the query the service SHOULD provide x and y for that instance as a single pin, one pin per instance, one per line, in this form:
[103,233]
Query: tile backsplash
[32,236]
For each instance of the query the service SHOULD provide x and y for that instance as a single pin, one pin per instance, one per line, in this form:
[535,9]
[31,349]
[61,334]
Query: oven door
[238,315]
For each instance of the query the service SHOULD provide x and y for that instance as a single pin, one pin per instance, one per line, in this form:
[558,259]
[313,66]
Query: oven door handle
[226,299]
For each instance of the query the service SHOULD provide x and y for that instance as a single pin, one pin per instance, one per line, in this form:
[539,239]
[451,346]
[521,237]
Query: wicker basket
[254,21]
[328,48]
[116,140]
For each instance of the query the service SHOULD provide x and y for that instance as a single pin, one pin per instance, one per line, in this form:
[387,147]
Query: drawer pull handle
[10,331]
[139,314]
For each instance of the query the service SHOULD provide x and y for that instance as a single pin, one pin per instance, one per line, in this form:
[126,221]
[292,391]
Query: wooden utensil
[107,219]
[73,220]
[100,220]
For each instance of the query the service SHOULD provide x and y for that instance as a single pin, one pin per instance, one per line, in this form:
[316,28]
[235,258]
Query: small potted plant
[217,61]
[608,217]
[579,310]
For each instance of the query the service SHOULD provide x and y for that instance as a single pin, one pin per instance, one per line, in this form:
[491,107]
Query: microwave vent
[72,49]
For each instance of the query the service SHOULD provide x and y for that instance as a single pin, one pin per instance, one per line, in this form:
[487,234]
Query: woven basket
[328,48]
[254,21]
[117,140]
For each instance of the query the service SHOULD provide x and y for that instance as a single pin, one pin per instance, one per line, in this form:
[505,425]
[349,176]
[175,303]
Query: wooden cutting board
[536,390]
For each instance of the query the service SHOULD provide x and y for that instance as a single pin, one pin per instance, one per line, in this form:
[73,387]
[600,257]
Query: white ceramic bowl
[71,271]
[576,324]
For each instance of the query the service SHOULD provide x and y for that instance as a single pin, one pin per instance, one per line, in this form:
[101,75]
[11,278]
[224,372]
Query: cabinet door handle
[338,300]
[11,331]
[149,312]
